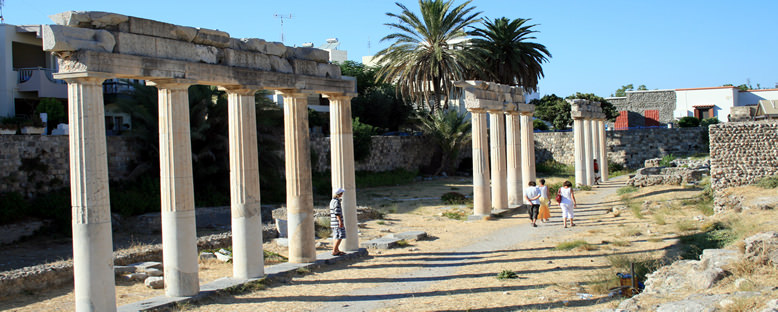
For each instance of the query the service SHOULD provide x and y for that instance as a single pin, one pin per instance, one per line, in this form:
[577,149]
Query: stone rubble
[680,171]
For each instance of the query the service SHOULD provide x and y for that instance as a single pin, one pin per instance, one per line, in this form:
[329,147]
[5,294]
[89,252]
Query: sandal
[339,253]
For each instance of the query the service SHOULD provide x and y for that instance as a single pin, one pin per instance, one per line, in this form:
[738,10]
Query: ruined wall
[32,164]
[742,153]
[640,101]
[386,153]
[630,148]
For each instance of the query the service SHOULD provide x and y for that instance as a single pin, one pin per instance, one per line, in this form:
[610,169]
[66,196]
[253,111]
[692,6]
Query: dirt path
[453,272]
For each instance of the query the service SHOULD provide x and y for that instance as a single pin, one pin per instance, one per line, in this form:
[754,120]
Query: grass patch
[273,257]
[553,168]
[247,287]
[626,190]
[631,232]
[621,243]
[403,243]
[770,182]
[302,271]
[453,198]
[659,219]
[380,222]
[456,214]
[507,274]
[644,264]
[322,226]
[636,208]
[655,240]
[713,236]
[585,187]
[576,244]
[686,226]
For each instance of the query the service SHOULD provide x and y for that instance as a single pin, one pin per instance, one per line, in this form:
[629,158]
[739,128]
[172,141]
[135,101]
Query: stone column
[595,146]
[247,256]
[299,195]
[482,203]
[588,164]
[342,162]
[527,150]
[179,235]
[91,211]
[513,152]
[578,141]
[497,153]
[603,150]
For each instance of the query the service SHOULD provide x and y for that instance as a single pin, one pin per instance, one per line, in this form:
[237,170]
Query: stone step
[381,243]
[410,235]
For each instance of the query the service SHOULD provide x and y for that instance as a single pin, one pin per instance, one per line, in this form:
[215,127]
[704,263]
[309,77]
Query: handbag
[559,196]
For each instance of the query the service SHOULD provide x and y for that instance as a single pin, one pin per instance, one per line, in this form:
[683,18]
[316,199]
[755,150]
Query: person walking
[596,173]
[544,213]
[568,202]
[532,195]
[336,221]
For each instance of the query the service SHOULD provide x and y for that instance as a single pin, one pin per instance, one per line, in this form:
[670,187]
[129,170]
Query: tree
[553,109]
[622,92]
[427,55]
[505,55]
[376,104]
[610,111]
[450,131]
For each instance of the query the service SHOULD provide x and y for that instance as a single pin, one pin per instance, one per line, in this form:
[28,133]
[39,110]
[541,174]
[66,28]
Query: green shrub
[453,198]
[362,139]
[770,182]
[689,122]
[626,190]
[708,121]
[714,235]
[506,274]
[538,124]
[456,214]
[54,206]
[615,167]
[667,160]
[13,207]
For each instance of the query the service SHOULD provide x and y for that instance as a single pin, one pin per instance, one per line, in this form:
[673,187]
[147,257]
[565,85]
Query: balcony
[41,81]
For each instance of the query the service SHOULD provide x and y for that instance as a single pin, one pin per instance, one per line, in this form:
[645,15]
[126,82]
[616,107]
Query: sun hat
[340,190]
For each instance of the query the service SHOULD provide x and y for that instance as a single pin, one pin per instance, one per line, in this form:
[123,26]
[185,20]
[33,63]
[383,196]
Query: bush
[538,124]
[667,160]
[553,168]
[689,122]
[453,198]
[362,139]
[614,166]
[708,121]
[506,274]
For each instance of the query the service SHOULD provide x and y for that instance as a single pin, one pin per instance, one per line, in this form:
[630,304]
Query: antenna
[281,17]
[2,19]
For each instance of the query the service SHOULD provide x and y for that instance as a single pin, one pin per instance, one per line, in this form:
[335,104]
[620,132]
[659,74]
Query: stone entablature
[132,47]
[492,96]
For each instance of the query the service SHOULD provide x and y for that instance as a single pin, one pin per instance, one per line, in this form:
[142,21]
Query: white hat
[340,190]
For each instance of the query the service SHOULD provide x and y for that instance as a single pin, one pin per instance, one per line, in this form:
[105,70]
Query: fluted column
[513,159]
[299,195]
[247,256]
[595,147]
[342,163]
[527,150]
[91,212]
[578,141]
[482,203]
[588,164]
[497,153]
[179,235]
[603,150]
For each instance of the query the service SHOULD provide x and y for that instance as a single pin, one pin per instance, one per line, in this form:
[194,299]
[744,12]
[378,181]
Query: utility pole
[281,17]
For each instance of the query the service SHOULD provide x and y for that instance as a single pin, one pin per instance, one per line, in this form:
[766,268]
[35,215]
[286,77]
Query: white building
[717,101]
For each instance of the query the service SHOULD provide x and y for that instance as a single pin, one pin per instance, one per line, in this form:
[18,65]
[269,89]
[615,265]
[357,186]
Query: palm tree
[505,55]
[427,55]
[450,130]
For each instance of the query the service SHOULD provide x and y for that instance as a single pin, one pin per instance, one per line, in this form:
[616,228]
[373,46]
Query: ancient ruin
[94,46]
[589,140]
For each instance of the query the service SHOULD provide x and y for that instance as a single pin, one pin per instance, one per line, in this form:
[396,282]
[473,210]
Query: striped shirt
[335,211]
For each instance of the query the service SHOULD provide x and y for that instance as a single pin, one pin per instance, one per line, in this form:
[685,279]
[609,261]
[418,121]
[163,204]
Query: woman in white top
[568,202]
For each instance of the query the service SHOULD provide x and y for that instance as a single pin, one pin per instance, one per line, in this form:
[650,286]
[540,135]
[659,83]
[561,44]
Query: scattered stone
[281,227]
[136,276]
[222,257]
[321,244]
[123,269]
[385,230]
[413,249]
[143,266]
[380,243]
[410,235]
[763,248]
[155,282]
[771,306]
[204,256]
[154,272]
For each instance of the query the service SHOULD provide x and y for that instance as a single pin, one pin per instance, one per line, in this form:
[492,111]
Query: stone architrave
[513,159]
[497,153]
[92,245]
[482,201]
[299,194]
[527,150]
[247,255]
[603,149]
[342,164]
[179,233]
[588,148]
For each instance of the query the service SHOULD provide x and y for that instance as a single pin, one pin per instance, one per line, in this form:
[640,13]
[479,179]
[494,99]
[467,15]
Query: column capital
[476,110]
[83,77]
[525,113]
[340,96]
[171,83]
[239,90]
[295,92]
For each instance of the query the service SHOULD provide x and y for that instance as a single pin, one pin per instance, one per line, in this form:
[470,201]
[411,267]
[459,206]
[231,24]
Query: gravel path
[383,293]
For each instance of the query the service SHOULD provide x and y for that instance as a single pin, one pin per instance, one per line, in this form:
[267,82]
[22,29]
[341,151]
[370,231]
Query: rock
[154,272]
[58,38]
[771,306]
[763,248]
[155,282]
[136,276]
[144,266]
[222,257]
[283,242]
[691,275]
[281,226]
[207,256]
[696,302]
[385,230]
[123,269]
[321,244]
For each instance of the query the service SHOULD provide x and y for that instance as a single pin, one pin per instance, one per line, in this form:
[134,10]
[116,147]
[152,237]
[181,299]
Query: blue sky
[596,46]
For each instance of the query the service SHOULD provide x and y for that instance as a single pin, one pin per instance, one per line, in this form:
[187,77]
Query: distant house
[661,107]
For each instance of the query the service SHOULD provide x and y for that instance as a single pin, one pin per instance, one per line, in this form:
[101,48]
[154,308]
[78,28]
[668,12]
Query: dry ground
[547,279]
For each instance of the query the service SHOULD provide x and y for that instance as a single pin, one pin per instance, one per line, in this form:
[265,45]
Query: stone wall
[32,164]
[386,153]
[742,153]
[640,101]
[630,148]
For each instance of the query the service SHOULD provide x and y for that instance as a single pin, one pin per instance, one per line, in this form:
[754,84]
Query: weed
[716,235]
[302,271]
[655,239]
[644,263]
[322,226]
[626,190]
[273,257]
[576,244]
[631,232]
[456,214]
[621,243]
[659,219]
[506,274]
[585,187]
[685,226]
[247,287]
[453,198]
[636,209]
[403,243]
[743,304]
[667,160]
[602,281]
[380,222]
